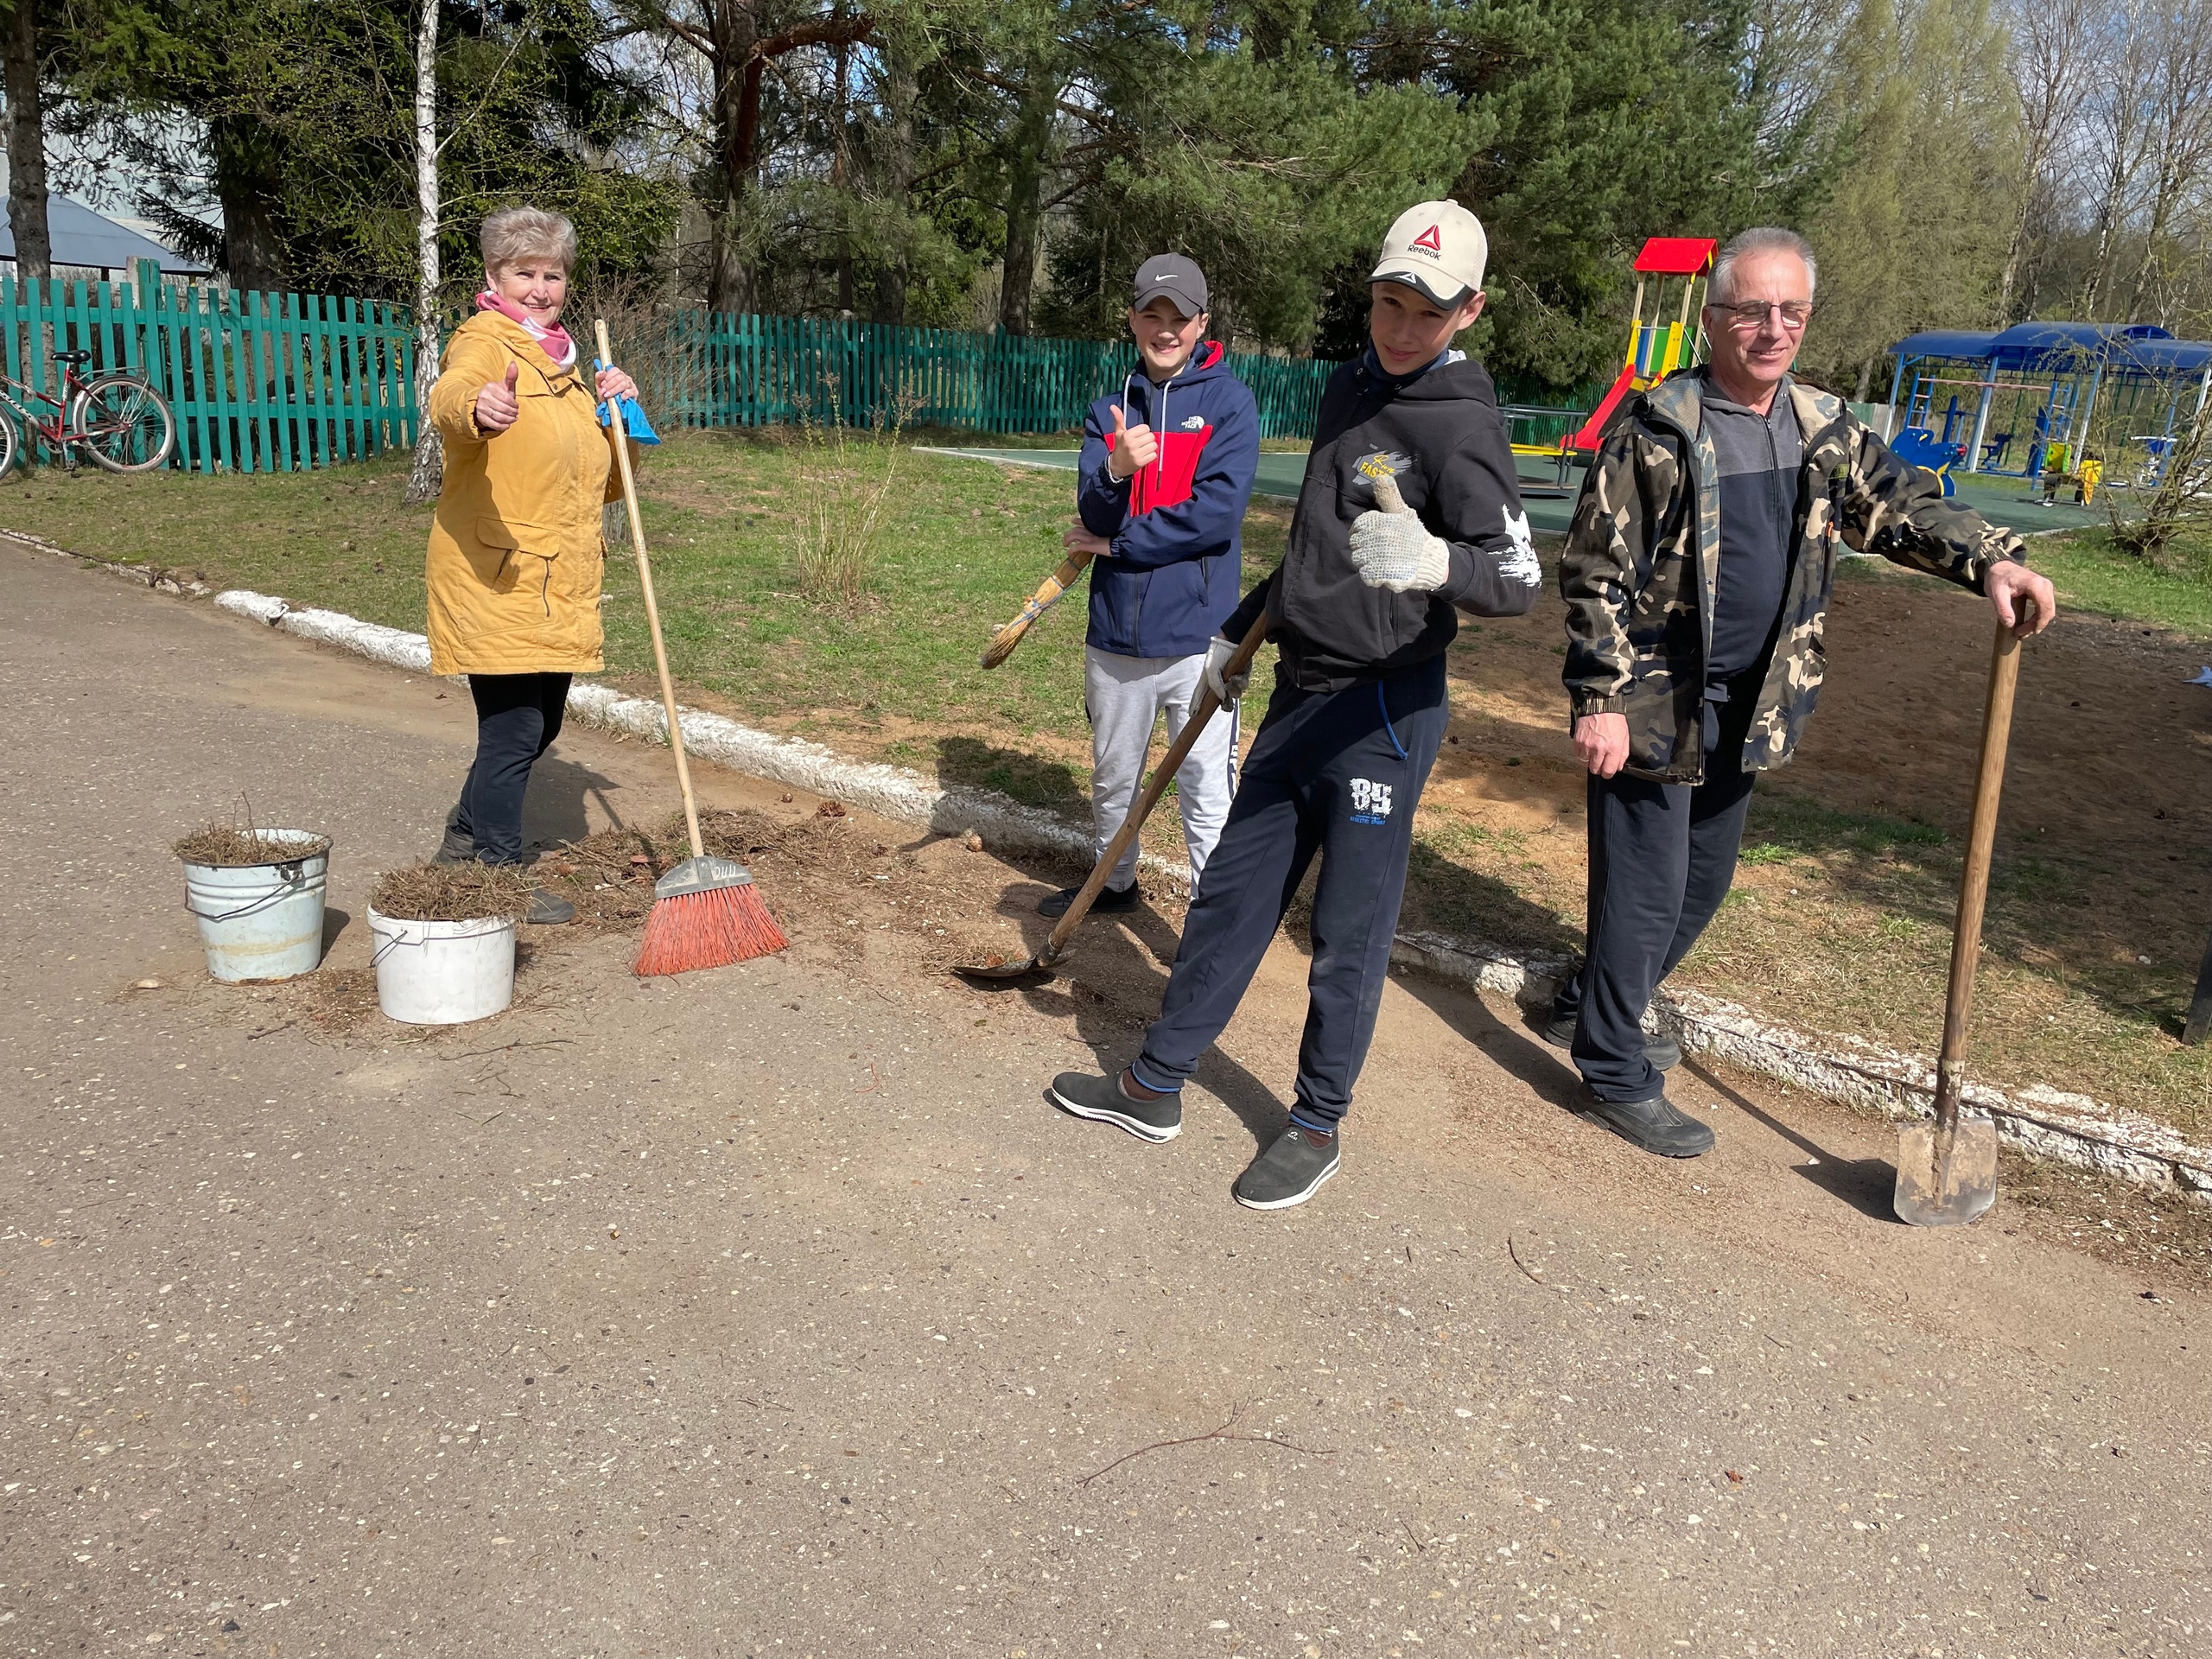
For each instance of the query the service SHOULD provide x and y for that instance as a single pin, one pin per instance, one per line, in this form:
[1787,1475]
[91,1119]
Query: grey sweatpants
[1125,696]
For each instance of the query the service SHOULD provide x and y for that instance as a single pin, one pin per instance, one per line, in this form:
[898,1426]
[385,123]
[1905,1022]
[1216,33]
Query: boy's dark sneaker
[1110,901]
[1288,1173]
[1656,1125]
[1103,1101]
[1664,1053]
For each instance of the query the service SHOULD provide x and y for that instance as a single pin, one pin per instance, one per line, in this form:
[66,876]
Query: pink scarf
[554,342]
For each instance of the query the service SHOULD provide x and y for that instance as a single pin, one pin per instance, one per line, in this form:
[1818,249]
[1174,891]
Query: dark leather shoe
[455,848]
[549,909]
[1664,1053]
[1656,1125]
[1110,901]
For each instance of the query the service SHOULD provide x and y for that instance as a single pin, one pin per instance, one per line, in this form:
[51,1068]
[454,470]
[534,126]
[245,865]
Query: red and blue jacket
[1177,528]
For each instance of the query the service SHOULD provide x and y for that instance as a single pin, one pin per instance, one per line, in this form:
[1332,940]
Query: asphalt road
[770,1310]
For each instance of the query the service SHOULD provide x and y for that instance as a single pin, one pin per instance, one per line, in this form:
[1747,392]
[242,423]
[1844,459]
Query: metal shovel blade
[984,973]
[1946,1177]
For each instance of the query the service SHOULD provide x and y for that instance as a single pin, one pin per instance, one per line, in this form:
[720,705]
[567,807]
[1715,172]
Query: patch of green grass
[2094,574]
[339,538]
[1789,826]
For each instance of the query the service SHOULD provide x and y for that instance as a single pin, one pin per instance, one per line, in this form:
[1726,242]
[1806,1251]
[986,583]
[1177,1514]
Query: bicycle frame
[55,432]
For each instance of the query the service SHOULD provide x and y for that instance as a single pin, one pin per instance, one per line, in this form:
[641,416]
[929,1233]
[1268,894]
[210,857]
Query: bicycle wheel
[122,424]
[11,441]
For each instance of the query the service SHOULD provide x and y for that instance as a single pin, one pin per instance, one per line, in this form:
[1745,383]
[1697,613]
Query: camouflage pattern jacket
[1643,564]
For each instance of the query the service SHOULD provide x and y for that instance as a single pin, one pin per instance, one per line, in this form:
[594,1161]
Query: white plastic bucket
[442,973]
[261,921]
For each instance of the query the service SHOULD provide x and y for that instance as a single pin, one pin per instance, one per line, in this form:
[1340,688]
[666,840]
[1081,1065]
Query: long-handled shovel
[1201,712]
[1946,1169]
[1047,596]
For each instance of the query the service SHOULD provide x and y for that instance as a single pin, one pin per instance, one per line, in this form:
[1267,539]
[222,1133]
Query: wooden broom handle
[619,434]
[1974,886]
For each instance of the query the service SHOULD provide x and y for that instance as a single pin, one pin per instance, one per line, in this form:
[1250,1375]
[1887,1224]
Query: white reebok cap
[1438,247]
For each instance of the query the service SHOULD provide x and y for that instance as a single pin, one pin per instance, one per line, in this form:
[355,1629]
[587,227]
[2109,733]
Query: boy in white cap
[1361,611]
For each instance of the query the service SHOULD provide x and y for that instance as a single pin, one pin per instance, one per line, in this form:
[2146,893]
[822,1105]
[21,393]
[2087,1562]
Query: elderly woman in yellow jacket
[515,550]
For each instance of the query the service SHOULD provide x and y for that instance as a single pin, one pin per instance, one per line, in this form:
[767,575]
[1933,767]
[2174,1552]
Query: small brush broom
[706,913]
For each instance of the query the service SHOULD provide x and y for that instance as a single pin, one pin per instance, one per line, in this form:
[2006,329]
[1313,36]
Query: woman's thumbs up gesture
[496,405]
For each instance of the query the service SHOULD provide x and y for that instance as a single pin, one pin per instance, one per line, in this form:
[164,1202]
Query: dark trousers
[1338,773]
[1662,857]
[518,717]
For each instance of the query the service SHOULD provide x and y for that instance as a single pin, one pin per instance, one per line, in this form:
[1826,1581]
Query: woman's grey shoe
[1110,901]
[455,848]
[1664,1053]
[1288,1173]
[1656,1125]
[549,909]
[1103,1101]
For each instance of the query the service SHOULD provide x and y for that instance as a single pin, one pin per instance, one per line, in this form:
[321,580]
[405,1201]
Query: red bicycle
[121,423]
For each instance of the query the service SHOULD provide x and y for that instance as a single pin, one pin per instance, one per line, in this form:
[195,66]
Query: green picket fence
[714,369]
[272,382]
[259,382]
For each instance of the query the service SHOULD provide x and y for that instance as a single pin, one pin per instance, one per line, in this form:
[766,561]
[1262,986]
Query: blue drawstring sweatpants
[1336,773]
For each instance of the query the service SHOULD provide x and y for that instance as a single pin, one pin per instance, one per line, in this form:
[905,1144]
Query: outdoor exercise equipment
[2008,400]
[1947,1167]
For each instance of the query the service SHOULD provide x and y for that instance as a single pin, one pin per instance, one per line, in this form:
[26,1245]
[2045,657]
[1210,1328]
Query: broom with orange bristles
[706,913]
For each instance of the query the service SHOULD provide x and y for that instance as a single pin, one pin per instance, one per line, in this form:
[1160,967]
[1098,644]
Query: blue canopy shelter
[2034,389]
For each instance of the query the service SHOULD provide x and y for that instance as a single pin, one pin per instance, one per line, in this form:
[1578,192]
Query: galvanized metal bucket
[262,921]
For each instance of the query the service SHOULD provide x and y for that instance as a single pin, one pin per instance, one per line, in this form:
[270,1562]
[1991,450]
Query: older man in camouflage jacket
[1696,577]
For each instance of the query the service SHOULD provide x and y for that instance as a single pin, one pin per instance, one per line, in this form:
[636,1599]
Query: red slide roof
[1677,256]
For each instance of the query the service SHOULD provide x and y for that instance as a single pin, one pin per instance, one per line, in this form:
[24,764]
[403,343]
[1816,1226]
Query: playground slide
[1586,439]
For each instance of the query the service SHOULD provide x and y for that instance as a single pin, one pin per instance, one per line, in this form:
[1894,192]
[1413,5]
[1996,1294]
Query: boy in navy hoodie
[1361,611]
[1164,477]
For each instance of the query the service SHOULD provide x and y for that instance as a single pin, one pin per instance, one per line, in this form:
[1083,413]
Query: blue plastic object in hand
[633,419]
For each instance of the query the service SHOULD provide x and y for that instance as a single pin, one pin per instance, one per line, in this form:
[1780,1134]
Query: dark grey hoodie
[1441,435]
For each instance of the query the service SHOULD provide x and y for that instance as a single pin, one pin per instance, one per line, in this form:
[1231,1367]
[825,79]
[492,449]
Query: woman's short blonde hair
[514,234]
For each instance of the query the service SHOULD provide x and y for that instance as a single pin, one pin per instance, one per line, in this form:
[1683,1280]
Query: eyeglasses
[1753,314]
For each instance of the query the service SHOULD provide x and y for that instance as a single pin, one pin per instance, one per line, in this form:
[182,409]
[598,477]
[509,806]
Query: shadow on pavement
[1867,1185]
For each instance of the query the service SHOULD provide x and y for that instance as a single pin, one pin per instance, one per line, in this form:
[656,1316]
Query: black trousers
[1662,858]
[1334,772]
[518,717]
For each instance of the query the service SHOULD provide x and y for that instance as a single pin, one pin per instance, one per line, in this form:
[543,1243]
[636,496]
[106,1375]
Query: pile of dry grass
[226,847]
[452,892]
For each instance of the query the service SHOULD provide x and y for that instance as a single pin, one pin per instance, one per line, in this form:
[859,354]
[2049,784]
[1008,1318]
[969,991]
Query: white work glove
[1217,655]
[1392,549]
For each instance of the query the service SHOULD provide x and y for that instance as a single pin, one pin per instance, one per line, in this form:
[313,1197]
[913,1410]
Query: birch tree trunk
[422,483]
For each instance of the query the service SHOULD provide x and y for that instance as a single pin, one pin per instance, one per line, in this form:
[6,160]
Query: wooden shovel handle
[1047,596]
[1201,711]
[1974,886]
[618,436]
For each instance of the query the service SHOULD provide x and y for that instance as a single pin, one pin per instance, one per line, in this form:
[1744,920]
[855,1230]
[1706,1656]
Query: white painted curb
[2071,1128]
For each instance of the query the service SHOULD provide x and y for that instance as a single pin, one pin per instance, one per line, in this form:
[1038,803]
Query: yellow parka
[515,549]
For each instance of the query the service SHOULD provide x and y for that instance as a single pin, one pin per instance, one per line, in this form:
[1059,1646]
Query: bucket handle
[392,941]
[292,874]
